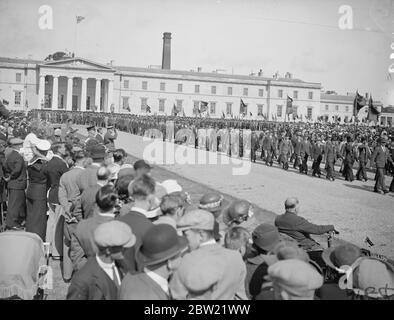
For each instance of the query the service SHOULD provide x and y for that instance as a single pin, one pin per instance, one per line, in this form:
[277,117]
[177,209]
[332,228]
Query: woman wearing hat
[36,194]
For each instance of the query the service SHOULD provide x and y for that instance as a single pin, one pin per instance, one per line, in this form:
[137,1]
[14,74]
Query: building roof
[17,60]
[388,109]
[336,97]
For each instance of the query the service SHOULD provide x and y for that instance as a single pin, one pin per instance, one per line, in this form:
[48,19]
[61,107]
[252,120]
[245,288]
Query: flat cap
[296,277]
[114,234]
[197,219]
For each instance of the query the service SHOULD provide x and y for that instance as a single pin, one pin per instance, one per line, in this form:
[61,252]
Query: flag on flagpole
[289,105]
[242,108]
[148,109]
[183,113]
[373,113]
[174,111]
[358,103]
[223,115]
[79,18]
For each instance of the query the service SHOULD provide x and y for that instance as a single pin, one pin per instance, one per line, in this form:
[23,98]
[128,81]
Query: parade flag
[251,114]
[358,103]
[203,106]
[289,105]
[128,108]
[373,113]
[183,113]
[148,109]
[80,18]
[223,115]
[174,111]
[242,108]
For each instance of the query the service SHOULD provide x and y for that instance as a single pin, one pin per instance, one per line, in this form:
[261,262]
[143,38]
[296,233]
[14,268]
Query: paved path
[353,208]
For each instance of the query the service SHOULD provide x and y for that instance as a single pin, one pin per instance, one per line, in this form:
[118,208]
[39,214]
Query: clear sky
[240,36]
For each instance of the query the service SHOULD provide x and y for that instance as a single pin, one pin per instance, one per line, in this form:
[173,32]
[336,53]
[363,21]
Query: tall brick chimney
[166,61]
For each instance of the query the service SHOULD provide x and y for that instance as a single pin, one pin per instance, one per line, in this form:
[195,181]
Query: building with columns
[80,84]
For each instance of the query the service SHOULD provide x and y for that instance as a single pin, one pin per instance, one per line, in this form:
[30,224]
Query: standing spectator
[69,198]
[55,168]
[89,177]
[364,155]
[172,207]
[99,136]
[110,137]
[15,172]
[88,196]
[99,278]
[294,280]
[197,226]
[141,168]
[36,193]
[160,254]
[348,160]
[237,238]
[141,190]
[82,242]
[330,155]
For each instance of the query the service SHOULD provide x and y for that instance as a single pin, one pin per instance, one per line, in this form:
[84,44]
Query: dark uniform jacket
[363,153]
[300,229]
[15,167]
[92,283]
[54,170]
[305,148]
[316,151]
[330,152]
[37,188]
[297,147]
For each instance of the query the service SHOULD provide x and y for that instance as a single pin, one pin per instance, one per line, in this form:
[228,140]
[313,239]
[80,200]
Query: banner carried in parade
[358,103]
[289,105]
[373,113]
[243,108]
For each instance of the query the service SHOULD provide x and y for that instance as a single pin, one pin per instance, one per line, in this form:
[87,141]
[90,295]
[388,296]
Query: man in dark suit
[55,168]
[141,190]
[99,278]
[160,253]
[88,197]
[298,228]
[380,157]
[15,169]
[297,151]
[110,136]
[89,177]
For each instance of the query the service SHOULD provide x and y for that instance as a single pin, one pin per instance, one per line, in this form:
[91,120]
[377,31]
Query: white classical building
[80,84]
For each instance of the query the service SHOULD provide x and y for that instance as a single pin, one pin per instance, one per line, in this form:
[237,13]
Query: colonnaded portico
[75,85]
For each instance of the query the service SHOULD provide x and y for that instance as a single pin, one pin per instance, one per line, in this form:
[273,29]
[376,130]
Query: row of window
[214,89]
[347,108]
[279,111]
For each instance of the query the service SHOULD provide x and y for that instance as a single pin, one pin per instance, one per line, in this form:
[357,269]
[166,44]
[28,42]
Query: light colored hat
[196,219]
[58,132]
[113,234]
[171,186]
[374,278]
[199,275]
[296,277]
[43,145]
[15,141]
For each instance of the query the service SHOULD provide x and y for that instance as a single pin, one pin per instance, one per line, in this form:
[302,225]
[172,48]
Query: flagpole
[75,36]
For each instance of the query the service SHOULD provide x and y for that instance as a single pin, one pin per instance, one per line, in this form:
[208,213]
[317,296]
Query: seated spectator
[239,213]
[141,190]
[82,242]
[237,238]
[294,280]
[160,253]
[172,208]
[290,223]
[99,278]
[88,197]
[197,226]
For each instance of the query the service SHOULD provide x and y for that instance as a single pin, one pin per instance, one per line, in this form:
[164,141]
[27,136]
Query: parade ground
[353,208]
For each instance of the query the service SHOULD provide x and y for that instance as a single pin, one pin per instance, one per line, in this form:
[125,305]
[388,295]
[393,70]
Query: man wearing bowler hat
[197,226]
[99,278]
[160,254]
